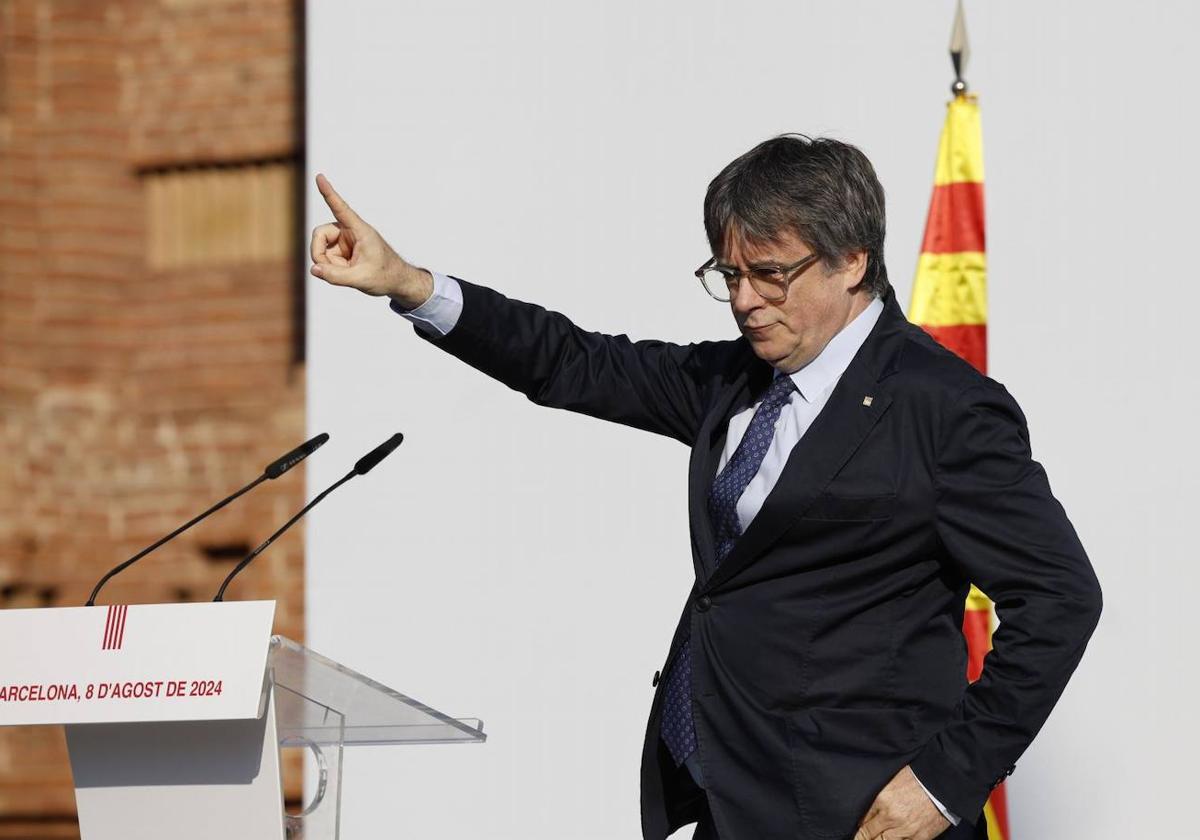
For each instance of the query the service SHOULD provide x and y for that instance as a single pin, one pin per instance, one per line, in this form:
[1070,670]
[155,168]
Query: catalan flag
[950,290]
[949,301]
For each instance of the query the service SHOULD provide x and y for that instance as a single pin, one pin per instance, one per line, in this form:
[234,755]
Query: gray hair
[825,191]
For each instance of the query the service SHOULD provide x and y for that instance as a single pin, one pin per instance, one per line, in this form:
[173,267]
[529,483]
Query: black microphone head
[367,462]
[280,466]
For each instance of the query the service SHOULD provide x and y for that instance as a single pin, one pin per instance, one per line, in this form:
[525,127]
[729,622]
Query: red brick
[129,398]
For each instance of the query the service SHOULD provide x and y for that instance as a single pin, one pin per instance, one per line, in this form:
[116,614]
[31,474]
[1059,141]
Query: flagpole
[949,301]
[962,145]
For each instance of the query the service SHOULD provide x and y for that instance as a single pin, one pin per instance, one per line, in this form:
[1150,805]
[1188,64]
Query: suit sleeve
[650,385]
[1008,534]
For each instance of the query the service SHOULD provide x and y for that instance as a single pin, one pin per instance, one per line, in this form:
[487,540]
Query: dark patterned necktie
[678,729]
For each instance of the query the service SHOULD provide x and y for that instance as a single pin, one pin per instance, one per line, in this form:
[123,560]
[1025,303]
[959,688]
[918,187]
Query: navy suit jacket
[827,647]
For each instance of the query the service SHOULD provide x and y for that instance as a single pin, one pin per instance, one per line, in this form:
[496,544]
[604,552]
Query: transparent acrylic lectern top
[366,712]
[321,706]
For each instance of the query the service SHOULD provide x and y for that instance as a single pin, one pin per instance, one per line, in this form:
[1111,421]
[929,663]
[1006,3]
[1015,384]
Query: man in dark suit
[849,480]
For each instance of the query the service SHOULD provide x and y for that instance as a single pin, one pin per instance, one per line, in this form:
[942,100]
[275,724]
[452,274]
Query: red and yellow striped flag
[949,301]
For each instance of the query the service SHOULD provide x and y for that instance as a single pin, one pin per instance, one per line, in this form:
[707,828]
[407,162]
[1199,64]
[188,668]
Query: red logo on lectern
[114,628]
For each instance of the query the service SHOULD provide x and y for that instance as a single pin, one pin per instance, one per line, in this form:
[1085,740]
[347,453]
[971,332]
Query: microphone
[272,471]
[362,466]
[368,462]
[278,467]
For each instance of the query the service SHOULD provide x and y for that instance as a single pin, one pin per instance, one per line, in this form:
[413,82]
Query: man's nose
[744,297]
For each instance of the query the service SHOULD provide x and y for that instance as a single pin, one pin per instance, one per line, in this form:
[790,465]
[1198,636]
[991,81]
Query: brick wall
[135,391]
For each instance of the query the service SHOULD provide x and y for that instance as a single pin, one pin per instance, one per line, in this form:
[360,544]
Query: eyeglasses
[770,282]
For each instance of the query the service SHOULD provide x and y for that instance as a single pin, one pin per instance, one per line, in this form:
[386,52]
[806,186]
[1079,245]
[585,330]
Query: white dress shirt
[814,382]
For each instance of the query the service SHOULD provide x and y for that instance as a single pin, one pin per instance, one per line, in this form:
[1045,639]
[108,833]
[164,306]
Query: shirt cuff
[945,813]
[440,312]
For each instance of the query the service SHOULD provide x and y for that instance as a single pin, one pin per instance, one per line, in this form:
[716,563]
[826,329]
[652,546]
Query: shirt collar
[823,372]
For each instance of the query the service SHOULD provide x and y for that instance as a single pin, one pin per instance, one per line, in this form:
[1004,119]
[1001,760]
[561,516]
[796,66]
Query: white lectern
[175,715]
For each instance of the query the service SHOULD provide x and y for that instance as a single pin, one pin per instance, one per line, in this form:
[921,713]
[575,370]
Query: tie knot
[780,390]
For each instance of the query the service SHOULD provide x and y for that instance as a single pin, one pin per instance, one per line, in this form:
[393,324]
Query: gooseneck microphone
[362,466]
[273,470]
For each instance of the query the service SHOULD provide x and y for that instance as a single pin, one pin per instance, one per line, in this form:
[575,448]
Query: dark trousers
[705,830]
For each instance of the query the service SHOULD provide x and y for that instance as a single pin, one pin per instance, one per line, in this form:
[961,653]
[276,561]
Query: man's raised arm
[651,385]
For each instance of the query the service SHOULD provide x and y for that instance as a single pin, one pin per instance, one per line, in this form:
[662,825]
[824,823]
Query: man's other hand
[349,252]
[902,811]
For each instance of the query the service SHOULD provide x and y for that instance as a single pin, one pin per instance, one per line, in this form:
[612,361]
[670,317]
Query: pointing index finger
[341,210]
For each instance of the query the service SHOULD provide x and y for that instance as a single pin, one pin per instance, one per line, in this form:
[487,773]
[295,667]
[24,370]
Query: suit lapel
[830,441]
[706,454]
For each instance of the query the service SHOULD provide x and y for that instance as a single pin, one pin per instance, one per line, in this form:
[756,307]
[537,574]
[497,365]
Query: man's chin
[768,351]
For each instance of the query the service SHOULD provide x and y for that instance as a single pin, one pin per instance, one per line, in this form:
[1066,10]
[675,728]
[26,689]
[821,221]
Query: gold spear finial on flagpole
[959,51]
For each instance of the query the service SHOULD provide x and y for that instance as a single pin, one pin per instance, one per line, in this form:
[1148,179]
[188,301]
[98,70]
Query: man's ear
[854,268]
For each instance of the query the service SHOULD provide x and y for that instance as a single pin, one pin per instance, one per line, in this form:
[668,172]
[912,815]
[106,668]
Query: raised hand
[902,811]
[349,252]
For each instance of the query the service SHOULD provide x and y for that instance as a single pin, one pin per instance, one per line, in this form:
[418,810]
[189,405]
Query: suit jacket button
[655,679]
[703,603]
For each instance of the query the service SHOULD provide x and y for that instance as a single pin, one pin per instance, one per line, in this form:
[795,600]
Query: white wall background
[525,565]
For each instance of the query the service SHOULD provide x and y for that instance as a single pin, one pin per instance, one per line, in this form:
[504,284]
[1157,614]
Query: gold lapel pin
[867,401]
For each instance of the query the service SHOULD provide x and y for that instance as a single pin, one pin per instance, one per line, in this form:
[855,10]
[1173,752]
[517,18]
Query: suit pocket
[841,759]
[852,508]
